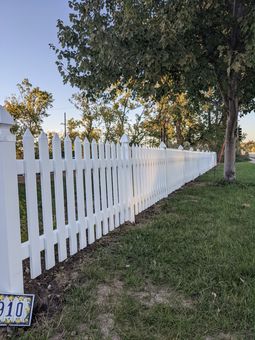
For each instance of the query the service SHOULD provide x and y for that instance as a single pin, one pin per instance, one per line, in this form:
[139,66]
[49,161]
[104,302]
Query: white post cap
[6,122]
[124,139]
[162,145]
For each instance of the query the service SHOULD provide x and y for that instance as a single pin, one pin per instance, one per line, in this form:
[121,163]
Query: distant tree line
[248,146]
[174,120]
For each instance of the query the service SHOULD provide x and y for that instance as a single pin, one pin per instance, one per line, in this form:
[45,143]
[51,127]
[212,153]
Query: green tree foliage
[198,44]
[122,104]
[248,146]
[100,118]
[111,123]
[176,120]
[211,122]
[138,132]
[29,109]
[86,126]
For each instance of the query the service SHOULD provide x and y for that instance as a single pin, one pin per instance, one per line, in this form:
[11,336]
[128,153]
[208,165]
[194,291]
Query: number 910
[18,311]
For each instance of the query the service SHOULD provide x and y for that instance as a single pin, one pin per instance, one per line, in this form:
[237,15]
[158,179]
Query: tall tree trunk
[232,102]
[230,136]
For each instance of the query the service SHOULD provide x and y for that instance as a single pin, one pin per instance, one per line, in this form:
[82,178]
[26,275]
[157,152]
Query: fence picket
[70,196]
[46,200]
[109,185]
[127,185]
[134,177]
[143,175]
[141,178]
[115,185]
[32,204]
[96,189]
[80,193]
[125,195]
[88,186]
[149,177]
[138,178]
[59,197]
[121,185]
[103,188]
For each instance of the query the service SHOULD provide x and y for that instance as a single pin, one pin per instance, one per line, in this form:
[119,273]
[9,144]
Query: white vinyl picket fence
[87,190]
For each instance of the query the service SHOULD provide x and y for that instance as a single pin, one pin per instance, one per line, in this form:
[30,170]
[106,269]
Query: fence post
[162,146]
[11,271]
[128,177]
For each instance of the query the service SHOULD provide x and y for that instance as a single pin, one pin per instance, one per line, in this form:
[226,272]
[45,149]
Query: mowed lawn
[186,270]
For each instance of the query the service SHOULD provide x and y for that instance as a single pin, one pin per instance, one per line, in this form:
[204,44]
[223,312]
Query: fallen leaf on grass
[246,205]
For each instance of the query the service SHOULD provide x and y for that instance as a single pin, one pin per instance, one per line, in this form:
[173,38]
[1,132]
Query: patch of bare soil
[147,214]
[107,296]
[107,293]
[222,336]
[197,184]
[106,325]
[191,198]
[153,295]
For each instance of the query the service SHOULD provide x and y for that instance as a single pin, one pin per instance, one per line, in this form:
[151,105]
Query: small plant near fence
[85,194]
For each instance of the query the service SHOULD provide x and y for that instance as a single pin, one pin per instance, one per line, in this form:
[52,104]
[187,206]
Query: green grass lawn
[186,270]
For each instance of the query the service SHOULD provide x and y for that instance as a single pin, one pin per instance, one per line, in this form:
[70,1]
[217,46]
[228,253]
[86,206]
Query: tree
[101,117]
[198,44]
[222,49]
[176,120]
[137,131]
[86,126]
[111,123]
[29,109]
[211,121]
[171,120]
[248,146]
[179,119]
[122,103]
[73,130]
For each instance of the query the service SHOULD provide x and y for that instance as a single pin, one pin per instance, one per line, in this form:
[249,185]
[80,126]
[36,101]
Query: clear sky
[26,29]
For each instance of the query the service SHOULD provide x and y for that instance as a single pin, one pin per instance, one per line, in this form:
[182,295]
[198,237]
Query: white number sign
[16,310]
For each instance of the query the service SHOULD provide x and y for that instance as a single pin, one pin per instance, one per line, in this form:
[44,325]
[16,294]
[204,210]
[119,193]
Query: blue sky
[26,29]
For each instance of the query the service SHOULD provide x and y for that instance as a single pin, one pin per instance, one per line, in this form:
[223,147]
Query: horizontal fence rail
[78,194]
